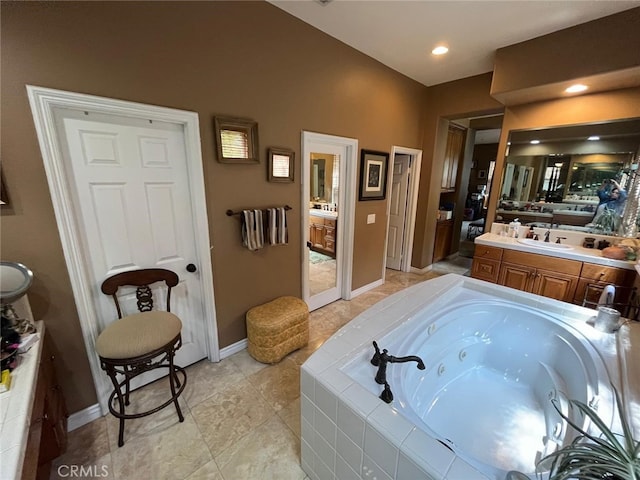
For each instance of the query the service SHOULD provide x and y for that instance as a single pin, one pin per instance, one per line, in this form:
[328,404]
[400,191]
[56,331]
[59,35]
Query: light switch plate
[371,218]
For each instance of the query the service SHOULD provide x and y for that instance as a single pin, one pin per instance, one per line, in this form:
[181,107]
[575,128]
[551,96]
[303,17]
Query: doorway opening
[329,165]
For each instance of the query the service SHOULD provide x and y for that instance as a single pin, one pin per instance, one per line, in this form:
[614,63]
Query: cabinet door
[555,285]
[485,269]
[317,236]
[516,276]
[442,245]
[330,238]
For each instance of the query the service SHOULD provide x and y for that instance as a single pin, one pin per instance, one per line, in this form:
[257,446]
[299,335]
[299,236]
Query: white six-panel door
[129,178]
[397,211]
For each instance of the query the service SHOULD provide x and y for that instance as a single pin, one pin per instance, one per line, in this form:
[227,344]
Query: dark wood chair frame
[129,368]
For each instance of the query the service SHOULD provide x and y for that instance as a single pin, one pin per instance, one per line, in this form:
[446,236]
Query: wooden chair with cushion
[140,342]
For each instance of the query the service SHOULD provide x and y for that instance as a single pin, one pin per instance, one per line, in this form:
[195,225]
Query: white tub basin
[544,245]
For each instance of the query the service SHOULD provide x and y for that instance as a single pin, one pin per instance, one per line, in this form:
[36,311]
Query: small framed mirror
[281,161]
[236,140]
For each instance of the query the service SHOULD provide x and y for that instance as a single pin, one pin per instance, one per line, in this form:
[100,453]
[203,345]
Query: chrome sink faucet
[546,235]
[380,360]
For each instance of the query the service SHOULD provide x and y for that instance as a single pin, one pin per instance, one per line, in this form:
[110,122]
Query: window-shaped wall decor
[236,140]
[281,162]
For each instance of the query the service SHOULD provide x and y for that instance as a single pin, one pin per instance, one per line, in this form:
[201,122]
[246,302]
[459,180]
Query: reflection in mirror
[574,177]
[323,221]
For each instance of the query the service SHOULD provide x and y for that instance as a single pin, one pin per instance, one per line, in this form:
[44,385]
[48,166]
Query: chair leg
[127,387]
[121,403]
[173,379]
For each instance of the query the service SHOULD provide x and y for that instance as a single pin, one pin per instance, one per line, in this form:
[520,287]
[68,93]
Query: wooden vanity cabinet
[486,263]
[547,276]
[322,235]
[48,428]
[551,277]
[599,274]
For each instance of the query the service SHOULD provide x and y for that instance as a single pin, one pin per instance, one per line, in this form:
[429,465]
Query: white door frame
[415,164]
[346,206]
[43,102]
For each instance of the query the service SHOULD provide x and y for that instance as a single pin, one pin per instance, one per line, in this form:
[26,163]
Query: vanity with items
[560,271]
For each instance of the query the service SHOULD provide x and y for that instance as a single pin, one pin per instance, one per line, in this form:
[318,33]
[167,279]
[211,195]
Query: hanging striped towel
[252,233]
[277,226]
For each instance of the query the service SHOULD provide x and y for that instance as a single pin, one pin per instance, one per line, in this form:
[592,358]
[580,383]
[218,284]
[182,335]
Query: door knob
[191,268]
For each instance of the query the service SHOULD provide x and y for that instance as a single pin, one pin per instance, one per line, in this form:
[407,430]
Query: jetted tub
[494,359]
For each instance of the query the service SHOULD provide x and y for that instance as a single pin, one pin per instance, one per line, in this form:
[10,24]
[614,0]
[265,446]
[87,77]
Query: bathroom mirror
[322,172]
[552,176]
[15,280]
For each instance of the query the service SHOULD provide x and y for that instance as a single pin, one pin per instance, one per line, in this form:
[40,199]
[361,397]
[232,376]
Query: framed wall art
[373,175]
[236,140]
[281,161]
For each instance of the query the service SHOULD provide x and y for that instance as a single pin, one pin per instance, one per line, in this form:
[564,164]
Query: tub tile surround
[575,239]
[373,438]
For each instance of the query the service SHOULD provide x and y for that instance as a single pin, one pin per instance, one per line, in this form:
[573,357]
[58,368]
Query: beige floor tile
[86,444]
[246,363]
[206,378]
[279,384]
[171,454]
[98,468]
[209,471]
[269,452]
[291,416]
[228,416]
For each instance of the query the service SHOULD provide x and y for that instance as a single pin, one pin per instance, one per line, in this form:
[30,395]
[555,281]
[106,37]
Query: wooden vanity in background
[322,234]
[552,277]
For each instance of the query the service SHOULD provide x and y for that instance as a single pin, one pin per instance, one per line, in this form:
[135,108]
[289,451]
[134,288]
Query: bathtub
[494,357]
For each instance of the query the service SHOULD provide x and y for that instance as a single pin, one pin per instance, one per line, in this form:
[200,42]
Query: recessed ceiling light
[440,50]
[578,87]
[534,142]
[593,138]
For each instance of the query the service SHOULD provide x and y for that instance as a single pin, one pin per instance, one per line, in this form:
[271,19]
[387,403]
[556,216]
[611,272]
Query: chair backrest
[142,279]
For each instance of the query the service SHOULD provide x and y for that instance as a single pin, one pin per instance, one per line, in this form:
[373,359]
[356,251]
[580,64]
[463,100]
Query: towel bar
[230,213]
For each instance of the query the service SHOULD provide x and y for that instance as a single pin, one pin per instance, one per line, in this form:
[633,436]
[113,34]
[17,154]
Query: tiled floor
[242,418]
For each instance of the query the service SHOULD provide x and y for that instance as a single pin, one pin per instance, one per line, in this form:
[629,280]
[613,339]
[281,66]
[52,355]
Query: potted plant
[590,456]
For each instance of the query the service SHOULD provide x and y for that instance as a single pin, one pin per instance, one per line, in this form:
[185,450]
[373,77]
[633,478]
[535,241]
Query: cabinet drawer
[600,273]
[545,262]
[485,269]
[492,253]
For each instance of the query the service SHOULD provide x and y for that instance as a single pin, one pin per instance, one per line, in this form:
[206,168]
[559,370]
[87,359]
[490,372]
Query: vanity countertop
[591,255]
[316,212]
[15,409]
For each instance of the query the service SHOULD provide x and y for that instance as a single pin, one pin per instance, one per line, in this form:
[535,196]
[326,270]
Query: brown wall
[591,49]
[246,59]
[459,99]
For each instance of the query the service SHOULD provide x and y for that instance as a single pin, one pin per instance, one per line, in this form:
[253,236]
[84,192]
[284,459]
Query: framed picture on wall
[280,164]
[373,175]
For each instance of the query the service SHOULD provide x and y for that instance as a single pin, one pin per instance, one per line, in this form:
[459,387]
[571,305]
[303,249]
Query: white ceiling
[401,34]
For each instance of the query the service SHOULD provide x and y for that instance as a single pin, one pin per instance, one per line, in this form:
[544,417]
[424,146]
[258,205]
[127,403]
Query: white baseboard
[366,288]
[88,415]
[233,348]
[426,269]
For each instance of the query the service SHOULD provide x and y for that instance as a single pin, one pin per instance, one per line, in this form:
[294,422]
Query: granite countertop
[316,212]
[577,252]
